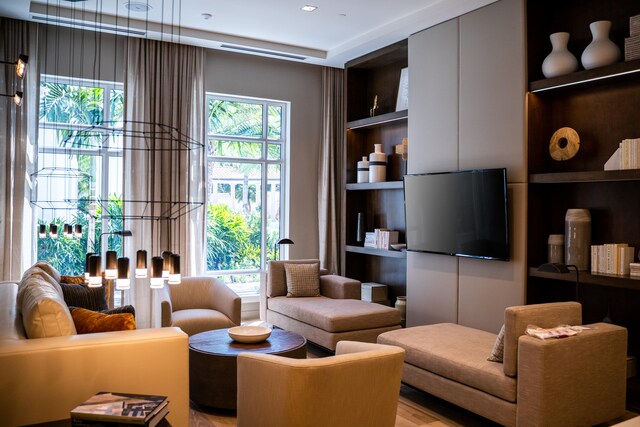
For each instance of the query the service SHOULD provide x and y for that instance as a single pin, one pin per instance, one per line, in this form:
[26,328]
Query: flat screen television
[462,213]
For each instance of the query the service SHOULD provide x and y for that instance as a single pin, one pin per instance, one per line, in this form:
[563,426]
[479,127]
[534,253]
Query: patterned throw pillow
[497,353]
[88,322]
[94,299]
[303,280]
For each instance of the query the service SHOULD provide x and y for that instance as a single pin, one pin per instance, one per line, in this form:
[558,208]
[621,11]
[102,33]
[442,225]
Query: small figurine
[373,110]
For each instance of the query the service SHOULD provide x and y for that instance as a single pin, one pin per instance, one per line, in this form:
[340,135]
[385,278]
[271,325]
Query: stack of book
[611,258]
[635,269]
[630,154]
[632,43]
[381,238]
[120,409]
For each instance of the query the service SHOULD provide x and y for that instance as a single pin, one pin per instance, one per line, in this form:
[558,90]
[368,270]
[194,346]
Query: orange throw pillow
[87,321]
[72,280]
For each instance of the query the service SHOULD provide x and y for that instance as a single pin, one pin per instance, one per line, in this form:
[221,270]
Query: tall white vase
[560,61]
[377,165]
[601,51]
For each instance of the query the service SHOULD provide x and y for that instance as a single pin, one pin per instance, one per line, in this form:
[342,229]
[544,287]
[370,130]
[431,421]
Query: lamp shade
[166,269]
[17,98]
[123,281]
[95,271]
[42,231]
[141,264]
[67,230]
[21,65]
[53,231]
[157,264]
[77,230]
[174,274]
[86,266]
[111,269]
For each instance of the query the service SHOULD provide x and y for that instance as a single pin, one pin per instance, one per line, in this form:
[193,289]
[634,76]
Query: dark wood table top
[219,342]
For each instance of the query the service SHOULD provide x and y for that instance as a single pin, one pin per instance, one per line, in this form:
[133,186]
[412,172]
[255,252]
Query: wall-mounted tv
[462,213]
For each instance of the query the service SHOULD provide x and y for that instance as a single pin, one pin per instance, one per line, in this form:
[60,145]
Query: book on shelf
[630,153]
[634,269]
[121,408]
[611,258]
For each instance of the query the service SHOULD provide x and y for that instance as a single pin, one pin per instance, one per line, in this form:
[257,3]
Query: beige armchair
[359,386]
[200,304]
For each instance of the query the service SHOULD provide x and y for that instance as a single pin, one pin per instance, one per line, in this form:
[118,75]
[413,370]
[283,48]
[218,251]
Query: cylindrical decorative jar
[363,169]
[362,228]
[601,51]
[555,248]
[377,165]
[401,306]
[560,61]
[577,232]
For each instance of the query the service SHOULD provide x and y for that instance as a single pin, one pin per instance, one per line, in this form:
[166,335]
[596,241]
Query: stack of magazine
[120,409]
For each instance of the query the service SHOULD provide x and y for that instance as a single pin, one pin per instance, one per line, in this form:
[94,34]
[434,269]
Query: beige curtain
[164,88]
[18,136]
[331,167]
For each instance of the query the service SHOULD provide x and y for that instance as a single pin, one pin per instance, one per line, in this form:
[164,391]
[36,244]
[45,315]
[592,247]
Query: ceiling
[336,32]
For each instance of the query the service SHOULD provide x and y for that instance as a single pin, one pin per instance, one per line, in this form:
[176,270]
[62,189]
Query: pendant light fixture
[111,267]
[42,231]
[157,265]
[21,65]
[68,231]
[141,264]
[174,275]
[123,281]
[166,265]
[95,271]
[17,97]
[86,266]
[53,231]
[77,230]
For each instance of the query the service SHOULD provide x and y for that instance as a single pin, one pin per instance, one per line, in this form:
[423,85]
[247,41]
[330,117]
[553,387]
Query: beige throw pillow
[303,280]
[497,354]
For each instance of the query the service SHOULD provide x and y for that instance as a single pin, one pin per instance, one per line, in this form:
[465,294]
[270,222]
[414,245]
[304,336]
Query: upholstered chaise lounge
[574,381]
[336,314]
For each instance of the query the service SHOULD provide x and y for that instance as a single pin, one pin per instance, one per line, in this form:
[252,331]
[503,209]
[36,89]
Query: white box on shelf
[373,292]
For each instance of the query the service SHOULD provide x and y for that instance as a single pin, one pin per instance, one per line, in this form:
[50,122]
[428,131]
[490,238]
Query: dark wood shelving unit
[376,252]
[602,105]
[382,203]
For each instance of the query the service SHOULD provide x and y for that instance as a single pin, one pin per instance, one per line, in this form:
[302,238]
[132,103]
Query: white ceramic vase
[601,51]
[401,306]
[363,170]
[560,61]
[577,231]
[377,165]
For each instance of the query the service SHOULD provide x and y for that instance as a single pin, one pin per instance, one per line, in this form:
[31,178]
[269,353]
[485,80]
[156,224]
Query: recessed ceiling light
[309,8]
[137,6]
[206,16]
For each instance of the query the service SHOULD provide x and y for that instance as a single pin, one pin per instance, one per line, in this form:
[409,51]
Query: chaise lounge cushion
[455,352]
[336,315]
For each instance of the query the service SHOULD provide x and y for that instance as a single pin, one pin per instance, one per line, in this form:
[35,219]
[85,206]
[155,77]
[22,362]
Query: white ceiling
[336,32]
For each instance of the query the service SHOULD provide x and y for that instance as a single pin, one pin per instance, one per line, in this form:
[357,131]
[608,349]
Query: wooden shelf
[611,72]
[375,121]
[376,252]
[589,176]
[608,280]
[388,185]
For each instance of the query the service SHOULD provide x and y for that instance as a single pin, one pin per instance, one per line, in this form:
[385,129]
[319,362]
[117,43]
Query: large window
[246,158]
[79,168]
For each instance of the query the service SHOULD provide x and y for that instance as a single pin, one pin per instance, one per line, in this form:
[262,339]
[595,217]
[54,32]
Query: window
[246,147]
[79,168]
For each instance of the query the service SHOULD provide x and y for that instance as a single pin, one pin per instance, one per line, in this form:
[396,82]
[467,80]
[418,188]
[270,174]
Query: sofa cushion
[455,352]
[49,269]
[303,280]
[276,277]
[36,271]
[44,312]
[88,321]
[336,315]
[94,299]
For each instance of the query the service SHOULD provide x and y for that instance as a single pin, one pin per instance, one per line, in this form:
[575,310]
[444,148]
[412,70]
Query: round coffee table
[213,363]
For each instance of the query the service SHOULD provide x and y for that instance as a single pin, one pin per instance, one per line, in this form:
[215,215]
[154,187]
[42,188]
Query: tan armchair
[359,386]
[200,304]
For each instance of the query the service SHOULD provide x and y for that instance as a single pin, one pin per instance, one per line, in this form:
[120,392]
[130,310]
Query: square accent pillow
[497,354]
[94,299]
[88,322]
[303,280]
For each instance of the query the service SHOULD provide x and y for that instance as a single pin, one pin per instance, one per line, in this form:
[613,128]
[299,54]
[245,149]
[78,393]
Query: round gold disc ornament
[564,144]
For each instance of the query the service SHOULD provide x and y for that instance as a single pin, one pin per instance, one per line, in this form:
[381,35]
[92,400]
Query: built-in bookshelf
[375,76]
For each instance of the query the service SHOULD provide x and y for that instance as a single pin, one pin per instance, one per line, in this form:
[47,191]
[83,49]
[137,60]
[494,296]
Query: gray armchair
[200,304]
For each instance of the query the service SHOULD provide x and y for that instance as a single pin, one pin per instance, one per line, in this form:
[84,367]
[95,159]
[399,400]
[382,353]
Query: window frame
[105,154]
[264,161]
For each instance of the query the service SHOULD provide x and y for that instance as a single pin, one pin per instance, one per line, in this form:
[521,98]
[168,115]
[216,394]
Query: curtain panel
[164,87]
[331,166]
[18,139]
